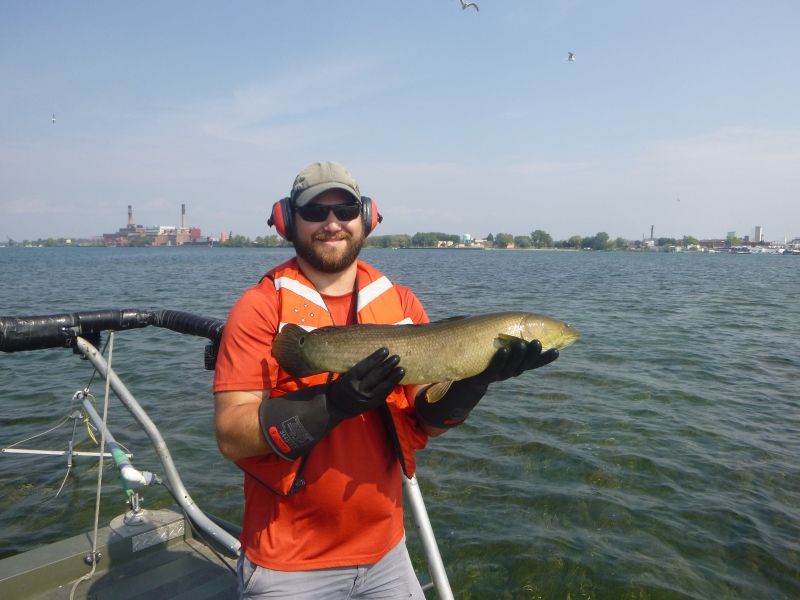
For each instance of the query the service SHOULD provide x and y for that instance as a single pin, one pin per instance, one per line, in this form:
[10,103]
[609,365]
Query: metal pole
[171,473]
[425,532]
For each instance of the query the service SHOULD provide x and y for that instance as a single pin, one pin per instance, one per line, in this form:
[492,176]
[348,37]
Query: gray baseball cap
[320,177]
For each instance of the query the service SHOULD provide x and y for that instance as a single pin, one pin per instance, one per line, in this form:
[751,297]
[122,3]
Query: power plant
[156,235]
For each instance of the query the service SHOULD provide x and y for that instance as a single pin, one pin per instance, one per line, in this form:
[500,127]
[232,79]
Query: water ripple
[655,459]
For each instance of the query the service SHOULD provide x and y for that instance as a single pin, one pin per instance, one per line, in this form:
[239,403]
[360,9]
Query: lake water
[657,458]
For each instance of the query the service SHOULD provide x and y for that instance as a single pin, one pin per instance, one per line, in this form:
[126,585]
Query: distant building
[758,236]
[713,243]
[155,230]
[124,236]
[159,235]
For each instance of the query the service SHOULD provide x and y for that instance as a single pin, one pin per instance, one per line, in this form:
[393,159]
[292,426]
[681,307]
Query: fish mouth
[569,335]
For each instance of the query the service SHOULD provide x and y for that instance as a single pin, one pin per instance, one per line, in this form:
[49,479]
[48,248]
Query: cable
[197,533]
[62,484]
[38,434]
[121,445]
[99,470]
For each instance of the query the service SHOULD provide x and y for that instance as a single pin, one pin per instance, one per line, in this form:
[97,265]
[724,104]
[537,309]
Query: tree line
[57,242]
[542,239]
[537,239]
[266,241]
[600,241]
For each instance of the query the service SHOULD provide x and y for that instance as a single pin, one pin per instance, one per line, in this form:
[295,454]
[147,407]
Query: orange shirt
[350,512]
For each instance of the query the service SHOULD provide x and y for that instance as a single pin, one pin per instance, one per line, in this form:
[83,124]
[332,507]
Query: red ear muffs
[281,218]
[370,216]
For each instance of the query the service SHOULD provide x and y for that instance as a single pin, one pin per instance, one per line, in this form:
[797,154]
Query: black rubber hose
[19,334]
[184,322]
[49,331]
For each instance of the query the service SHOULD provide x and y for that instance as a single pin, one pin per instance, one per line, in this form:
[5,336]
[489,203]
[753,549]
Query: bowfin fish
[439,352]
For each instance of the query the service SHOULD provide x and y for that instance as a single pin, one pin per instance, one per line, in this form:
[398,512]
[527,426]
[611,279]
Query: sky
[679,114]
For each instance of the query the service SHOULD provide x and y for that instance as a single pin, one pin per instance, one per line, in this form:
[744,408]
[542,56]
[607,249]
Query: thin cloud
[258,113]
[32,206]
[751,173]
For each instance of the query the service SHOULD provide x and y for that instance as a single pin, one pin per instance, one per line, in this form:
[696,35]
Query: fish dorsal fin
[503,340]
[448,319]
[437,391]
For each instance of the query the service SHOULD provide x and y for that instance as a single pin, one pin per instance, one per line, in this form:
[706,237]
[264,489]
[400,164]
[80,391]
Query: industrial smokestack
[130,215]
[651,232]
[183,216]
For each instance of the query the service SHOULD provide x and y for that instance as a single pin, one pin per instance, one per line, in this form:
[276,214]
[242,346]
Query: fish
[439,353]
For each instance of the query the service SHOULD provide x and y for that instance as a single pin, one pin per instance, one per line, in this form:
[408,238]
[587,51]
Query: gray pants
[391,578]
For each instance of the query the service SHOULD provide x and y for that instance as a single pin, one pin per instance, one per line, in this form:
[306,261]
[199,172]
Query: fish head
[552,333]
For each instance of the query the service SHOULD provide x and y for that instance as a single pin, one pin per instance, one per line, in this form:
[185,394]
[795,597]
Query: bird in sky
[54,118]
[679,199]
[464,5]
[571,56]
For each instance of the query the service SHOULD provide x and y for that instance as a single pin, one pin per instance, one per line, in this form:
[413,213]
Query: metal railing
[70,330]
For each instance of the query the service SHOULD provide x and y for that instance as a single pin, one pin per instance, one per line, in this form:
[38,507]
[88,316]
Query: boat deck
[158,560]
[185,571]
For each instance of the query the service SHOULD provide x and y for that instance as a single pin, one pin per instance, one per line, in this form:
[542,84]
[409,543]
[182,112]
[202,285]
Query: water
[657,458]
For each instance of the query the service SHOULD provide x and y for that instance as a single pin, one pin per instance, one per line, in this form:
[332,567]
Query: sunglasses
[317,213]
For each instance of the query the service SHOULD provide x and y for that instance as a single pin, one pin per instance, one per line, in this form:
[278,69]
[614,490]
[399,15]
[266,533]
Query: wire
[62,484]
[197,533]
[99,469]
[121,445]
[38,434]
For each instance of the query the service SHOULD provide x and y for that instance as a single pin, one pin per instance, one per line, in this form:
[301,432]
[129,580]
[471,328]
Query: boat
[178,553]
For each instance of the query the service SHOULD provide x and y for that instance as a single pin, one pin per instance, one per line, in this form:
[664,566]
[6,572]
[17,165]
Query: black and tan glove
[294,423]
[462,396]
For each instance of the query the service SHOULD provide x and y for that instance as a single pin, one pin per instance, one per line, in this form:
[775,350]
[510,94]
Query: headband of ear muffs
[282,217]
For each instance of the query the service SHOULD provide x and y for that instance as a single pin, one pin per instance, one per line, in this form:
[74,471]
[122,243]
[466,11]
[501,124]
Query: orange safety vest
[377,302]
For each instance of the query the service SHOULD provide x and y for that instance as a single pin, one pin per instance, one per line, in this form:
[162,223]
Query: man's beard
[329,260]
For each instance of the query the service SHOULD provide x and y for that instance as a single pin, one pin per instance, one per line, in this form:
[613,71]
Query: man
[323,455]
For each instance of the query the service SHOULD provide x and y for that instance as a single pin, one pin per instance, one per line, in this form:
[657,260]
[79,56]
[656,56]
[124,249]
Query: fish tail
[287,347]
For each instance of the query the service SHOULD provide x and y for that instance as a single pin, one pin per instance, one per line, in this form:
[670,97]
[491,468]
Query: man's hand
[292,424]
[506,364]
[454,407]
[366,385]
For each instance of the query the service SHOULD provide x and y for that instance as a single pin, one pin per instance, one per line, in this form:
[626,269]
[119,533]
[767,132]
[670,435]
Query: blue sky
[455,121]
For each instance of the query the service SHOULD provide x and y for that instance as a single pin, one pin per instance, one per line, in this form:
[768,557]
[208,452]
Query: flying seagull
[54,118]
[467,4]
[571,56]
